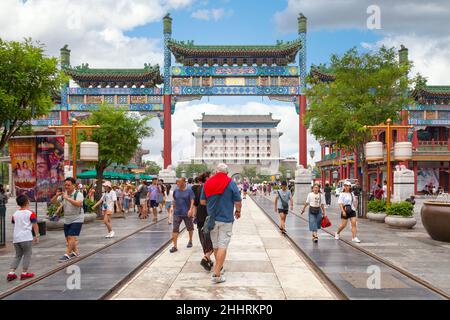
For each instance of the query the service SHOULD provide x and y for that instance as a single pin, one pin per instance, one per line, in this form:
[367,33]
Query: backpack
[284,203]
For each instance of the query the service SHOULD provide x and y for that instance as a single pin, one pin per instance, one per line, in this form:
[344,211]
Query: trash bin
[42,228]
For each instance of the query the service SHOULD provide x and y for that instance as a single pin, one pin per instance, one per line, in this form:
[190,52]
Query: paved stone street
[261,264]
[52,245]
[412,249]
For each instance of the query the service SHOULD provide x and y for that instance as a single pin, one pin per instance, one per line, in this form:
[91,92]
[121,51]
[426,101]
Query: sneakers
[11,277]
[27,275]
[207,265]
[110,235]
[219,279]
[336,236]
[64,258]
[356,240]
[189,245]
[73,255]
[174,249]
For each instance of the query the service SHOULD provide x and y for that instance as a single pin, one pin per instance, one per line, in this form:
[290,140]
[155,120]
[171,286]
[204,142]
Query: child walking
[24,220]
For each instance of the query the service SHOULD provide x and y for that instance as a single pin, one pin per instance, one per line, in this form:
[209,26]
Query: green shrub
[404,209]
[90,203]
[376,206]
[51,210]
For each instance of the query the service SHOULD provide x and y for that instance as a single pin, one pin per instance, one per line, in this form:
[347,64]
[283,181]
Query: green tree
[249,173]
[192,168]
[368,89]
[28,81]
[152,168]
[118,137]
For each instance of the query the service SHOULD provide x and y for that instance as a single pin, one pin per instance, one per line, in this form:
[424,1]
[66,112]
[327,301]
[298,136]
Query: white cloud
[429,55]
[211,14]
[183,126]
[422,26]
[94,30]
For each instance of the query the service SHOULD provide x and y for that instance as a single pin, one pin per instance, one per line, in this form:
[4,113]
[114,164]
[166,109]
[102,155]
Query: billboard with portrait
[23,162]
[49,166]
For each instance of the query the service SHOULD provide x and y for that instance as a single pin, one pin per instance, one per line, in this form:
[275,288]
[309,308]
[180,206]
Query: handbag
[326,222]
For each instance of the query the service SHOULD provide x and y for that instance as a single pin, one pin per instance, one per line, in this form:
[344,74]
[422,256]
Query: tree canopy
[28,82]
[192,168]
[118,137]
[368,89]
[152,168]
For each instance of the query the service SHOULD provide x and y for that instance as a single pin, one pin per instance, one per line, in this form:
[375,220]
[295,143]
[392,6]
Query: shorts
[349,215]
[221,235]
[187,222]
[153,204]
[283,211]
[168,204]
[142,201]
[72,230]
[107,212]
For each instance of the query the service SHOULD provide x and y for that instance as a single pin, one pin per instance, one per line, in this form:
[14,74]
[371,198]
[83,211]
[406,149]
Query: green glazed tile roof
[284,52]
[148,76]
[432,92]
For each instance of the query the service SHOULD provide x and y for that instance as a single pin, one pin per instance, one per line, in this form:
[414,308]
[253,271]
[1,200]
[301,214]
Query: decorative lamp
[374,151]
[89,151]
[403,151]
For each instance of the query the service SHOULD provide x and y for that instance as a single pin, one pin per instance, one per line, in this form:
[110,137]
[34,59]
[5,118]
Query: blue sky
[128,33]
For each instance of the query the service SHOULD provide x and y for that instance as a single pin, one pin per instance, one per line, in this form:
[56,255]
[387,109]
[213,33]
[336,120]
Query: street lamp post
[74,128]
[388,127]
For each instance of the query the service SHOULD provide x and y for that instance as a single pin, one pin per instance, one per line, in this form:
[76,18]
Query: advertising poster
[49,166]
[427,176]
[23,161]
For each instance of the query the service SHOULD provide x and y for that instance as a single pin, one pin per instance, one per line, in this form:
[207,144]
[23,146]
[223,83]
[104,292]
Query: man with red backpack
[221,196]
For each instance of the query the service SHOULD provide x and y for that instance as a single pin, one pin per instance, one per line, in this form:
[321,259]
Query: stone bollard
[303,178]
[169,176]
[403,183]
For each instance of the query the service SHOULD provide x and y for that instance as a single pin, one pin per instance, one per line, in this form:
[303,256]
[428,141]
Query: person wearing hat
[347,203]
[283,201]
[108,200]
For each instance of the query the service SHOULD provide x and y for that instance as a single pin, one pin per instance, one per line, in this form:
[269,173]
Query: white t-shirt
[23,221]
[347,198]
[315,200]
[170,196]
[108,199]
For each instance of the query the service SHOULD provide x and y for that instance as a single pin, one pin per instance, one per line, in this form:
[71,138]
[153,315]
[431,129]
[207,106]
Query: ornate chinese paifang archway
[265,70]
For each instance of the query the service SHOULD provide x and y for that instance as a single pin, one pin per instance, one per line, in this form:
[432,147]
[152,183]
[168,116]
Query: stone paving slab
[412,250]
[102,271]
[52,245]
[253,271]
[346,266]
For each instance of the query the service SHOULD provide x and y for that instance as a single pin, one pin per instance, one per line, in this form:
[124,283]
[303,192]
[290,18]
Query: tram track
[75,261]
[267,208]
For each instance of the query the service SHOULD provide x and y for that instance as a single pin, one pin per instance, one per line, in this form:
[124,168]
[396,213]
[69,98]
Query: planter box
[55,225]
[89,217]
[436,220]
[377,217]
[400,222]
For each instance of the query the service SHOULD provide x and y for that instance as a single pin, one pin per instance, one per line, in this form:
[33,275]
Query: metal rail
[387,263]
[76,260]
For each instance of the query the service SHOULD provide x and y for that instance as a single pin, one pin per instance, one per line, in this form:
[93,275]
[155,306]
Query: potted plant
[54,221]
[401,215]
[376,210]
